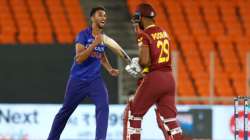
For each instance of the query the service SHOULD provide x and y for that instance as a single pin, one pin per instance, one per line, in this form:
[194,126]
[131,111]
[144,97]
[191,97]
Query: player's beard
[100,26]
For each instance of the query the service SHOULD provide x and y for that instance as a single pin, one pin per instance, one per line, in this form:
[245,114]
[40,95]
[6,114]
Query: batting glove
[134,68]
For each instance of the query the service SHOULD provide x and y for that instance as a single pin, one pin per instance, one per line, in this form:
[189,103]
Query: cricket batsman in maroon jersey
[158,85]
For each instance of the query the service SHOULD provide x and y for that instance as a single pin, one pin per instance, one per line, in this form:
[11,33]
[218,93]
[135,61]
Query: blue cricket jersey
[90,68]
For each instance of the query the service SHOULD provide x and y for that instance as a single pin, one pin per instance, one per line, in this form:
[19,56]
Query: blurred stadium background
[210,40]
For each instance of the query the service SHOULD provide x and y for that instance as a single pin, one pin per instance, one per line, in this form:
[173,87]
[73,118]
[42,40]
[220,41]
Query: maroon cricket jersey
[157,40]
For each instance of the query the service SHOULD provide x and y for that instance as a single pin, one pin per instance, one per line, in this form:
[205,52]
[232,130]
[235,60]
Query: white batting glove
[135,64]
[131,71]
[134,68]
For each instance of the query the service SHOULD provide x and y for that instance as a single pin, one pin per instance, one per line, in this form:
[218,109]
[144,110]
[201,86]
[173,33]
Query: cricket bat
[116,48]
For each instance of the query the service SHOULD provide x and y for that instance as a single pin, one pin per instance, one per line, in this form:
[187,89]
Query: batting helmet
[144,10]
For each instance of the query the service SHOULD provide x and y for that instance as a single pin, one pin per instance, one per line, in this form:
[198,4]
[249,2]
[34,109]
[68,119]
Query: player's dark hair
[93,10]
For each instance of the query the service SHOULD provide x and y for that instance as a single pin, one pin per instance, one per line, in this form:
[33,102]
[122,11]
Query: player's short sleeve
[143,40]
[80,38]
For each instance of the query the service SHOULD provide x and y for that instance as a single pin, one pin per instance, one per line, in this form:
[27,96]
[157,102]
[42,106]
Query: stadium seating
[8,27]
[38,21]
[42,25]
[199,28]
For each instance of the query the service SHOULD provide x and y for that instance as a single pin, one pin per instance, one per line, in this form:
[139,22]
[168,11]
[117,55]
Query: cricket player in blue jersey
[85,77]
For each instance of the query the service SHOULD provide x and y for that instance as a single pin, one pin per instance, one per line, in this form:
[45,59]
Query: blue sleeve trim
[80,38]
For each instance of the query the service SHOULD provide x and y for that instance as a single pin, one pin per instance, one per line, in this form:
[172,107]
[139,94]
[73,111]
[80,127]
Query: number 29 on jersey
[164,53]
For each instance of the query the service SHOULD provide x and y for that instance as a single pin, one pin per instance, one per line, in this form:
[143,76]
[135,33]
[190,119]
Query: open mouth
[103,22]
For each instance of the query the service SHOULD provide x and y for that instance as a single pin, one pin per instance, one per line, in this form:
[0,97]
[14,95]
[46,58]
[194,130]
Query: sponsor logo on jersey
[98,51]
